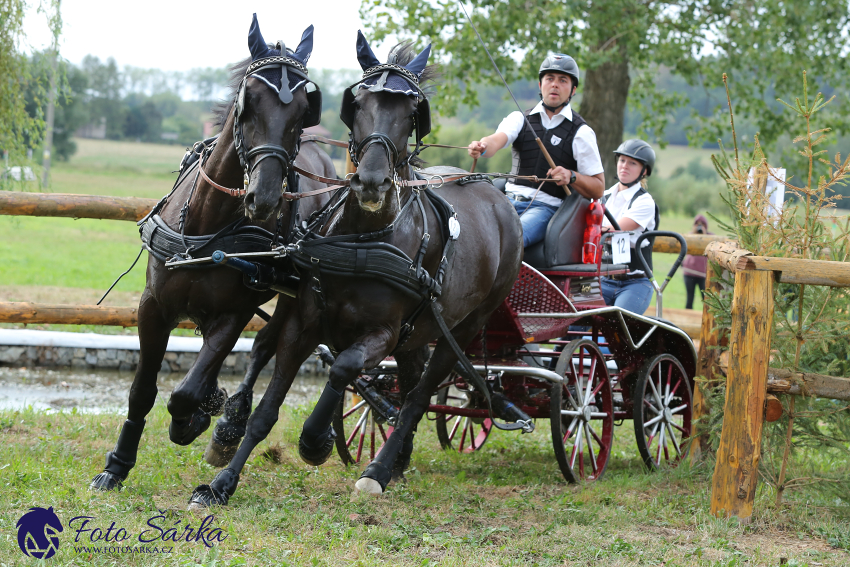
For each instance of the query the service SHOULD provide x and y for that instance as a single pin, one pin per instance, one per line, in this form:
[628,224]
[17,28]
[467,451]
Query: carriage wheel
[662,411]
[360,432]
[459,433]
[582,412]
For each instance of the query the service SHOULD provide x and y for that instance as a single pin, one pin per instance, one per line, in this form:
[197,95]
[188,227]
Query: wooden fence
[749,379]
[133,209]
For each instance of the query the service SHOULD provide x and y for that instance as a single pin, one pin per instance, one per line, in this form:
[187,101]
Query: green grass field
[505,505]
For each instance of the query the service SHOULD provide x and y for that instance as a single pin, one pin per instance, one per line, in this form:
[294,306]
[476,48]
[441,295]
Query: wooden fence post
[708,359]
[736,472]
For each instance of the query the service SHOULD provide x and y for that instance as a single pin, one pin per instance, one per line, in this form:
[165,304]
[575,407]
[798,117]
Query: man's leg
[535,218]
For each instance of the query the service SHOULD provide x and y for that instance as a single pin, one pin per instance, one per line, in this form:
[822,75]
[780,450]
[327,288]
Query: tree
[18,130]
[71,111]
[104,94]
[619,43]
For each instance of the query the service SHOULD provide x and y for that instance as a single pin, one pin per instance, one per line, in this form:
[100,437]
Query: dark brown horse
[261,130]
[366,317]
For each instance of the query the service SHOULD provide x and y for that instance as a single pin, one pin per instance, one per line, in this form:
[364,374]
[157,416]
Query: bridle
[249,158]
[394,157]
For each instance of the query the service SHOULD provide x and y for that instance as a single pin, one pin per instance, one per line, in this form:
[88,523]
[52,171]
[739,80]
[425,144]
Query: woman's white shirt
[642,211]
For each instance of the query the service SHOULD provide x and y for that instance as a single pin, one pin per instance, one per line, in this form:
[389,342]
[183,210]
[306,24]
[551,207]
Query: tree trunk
[603,106]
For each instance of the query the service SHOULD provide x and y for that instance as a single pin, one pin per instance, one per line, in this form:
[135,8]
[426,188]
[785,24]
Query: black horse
[445,272]
[272,101]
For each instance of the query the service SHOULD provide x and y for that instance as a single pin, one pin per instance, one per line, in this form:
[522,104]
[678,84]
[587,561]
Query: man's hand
[477,149]
[562,175]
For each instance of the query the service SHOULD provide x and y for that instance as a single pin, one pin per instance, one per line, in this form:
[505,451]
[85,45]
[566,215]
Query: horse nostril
[355,183]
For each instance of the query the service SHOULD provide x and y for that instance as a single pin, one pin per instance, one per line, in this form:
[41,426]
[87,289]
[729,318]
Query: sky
[177,35]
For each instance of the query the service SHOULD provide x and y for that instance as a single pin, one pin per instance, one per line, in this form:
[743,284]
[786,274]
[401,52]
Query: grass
[505,505]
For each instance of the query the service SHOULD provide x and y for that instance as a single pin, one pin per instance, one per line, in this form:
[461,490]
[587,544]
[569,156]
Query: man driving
[566,136]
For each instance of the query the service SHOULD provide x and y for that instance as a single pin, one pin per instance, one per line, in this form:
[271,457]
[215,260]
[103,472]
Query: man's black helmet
[639,150]
[560,63]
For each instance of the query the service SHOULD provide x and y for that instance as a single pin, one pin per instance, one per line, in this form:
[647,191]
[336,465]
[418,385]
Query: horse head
[382,111]
[274,102]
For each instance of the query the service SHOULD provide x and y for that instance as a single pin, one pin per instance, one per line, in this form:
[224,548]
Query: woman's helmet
[641,151]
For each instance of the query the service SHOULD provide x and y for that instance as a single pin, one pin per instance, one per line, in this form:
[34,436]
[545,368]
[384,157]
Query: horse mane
[403,53]
[221,110]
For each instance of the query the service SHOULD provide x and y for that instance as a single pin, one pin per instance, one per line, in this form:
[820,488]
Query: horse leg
[317,436]
[294,348]
[197,396]
[411,365]
[378,474]
[230,429]
[154,329]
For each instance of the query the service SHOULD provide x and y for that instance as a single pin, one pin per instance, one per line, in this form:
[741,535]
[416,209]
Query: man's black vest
[531,160]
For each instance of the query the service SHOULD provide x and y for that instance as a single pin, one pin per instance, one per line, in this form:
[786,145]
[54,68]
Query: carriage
[552,350]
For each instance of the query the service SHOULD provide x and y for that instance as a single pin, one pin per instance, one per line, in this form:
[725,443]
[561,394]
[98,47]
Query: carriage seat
[560,250]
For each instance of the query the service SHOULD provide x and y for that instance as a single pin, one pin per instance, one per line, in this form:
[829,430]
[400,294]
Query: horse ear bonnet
[389,81]
[285,79]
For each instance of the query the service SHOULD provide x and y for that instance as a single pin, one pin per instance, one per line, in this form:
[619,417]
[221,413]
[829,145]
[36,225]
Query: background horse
[261,130]
[366,317]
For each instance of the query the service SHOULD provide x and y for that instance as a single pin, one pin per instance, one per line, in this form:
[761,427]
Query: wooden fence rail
[134,208]
[74,206]
[60,314]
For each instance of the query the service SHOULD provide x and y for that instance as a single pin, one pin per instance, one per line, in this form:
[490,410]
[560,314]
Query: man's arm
[488,145]
[591,186]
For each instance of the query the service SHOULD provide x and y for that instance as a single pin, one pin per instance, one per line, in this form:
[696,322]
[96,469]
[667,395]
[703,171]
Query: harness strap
[229,191]
[465,368]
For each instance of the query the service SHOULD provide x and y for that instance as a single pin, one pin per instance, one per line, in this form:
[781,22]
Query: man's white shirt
[642,210]
[585,150]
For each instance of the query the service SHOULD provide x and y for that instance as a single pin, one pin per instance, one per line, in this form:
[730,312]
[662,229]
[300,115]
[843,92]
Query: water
[102,391]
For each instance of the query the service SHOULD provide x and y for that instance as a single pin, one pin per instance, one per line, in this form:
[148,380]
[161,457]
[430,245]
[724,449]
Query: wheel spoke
[455,425]
[660,445]
[372,440]
[569,430]
[587,390]
[597,437]
[576,445]
[682,429]
[653,421]
[570,396]
[463,434]
[655,392]
[356,407]
[357,426]
[680,408]
[673,440]
[652,407]
[673,392]
[571,413]
[590,448]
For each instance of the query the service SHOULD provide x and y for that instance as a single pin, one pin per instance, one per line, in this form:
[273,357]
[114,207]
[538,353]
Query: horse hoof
[317,456]
[106,481]
[368,486]
[218,454]
[205,497]
[183,432]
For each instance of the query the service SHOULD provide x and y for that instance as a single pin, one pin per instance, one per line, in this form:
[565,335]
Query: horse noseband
[357,148]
